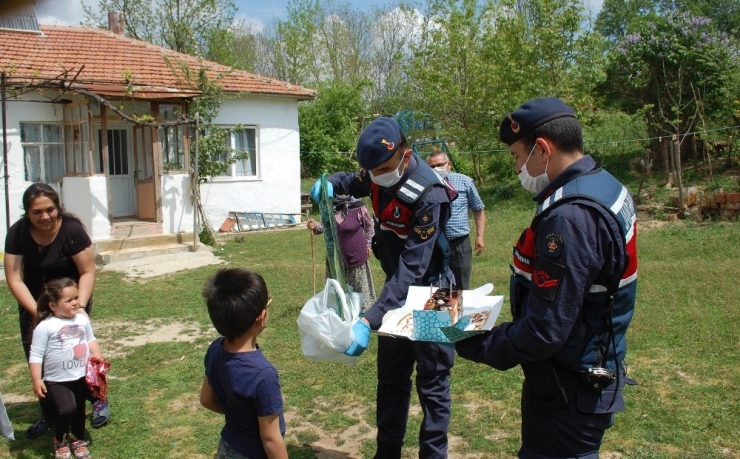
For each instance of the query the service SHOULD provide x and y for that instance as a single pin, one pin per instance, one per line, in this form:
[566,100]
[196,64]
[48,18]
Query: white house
[88,110]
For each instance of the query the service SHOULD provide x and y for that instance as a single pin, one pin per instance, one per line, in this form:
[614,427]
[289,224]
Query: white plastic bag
[324,334]
[6,430]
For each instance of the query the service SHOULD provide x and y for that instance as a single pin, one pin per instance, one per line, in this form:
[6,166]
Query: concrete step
[128,228]
[117,256]
[141,240]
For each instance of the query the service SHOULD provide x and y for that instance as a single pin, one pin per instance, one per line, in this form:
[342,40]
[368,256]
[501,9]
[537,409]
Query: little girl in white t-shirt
[63,340]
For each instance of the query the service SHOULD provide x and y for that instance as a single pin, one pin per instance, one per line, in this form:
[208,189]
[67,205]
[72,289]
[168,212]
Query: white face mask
[388,179]
[441,171]
[534,184]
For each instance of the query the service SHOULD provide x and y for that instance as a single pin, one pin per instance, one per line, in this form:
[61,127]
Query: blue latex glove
[316,190]
[362,338]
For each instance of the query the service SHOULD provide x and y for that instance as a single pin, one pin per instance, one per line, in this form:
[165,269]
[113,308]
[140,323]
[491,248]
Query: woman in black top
[47,243]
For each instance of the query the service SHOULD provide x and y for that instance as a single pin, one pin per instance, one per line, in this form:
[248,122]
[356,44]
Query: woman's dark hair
[39,189]
[235,299]
[51,293]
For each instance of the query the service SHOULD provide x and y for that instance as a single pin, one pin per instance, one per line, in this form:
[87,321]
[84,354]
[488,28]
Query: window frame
[41,146]
[231,174]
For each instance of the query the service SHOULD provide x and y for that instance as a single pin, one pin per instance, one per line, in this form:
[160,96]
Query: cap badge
[514,124]
[388,145]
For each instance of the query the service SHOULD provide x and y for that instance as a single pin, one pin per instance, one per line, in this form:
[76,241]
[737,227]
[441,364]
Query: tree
[186,26]
[617,18]
[673,70]
[330,127]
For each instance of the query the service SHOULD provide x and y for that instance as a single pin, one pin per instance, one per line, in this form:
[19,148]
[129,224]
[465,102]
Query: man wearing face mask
[458,227]
[411,204]
[572,289]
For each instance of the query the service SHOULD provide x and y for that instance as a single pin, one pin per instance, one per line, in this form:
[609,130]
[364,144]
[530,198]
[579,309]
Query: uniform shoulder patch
[425,218]
[360,175]
[553,245]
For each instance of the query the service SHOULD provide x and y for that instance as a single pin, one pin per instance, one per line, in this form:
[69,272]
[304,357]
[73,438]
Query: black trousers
[68,399]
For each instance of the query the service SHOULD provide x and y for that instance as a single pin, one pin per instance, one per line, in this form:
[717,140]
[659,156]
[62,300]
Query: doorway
[120,169]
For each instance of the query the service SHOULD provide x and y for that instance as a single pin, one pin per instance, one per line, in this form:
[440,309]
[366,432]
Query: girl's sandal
[79,449]
[61,450]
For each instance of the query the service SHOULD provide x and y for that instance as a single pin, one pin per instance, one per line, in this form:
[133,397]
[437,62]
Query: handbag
[325,323]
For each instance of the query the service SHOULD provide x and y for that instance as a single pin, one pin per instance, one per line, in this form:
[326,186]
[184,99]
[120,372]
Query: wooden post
[106,167]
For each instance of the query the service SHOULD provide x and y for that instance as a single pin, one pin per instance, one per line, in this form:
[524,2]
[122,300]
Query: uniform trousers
[396,358]
[573,432]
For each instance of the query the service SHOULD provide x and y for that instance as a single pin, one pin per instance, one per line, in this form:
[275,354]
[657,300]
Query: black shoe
[38,428]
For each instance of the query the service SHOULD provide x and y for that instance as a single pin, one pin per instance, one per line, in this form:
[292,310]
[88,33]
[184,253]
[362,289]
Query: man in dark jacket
[411,206]
[572,289]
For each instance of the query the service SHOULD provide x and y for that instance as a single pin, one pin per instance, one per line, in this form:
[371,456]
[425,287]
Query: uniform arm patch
[425,227]
[546,278]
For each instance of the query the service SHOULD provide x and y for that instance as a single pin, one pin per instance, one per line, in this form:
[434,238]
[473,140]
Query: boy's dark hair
[51,293]
[235,298]
[565,132]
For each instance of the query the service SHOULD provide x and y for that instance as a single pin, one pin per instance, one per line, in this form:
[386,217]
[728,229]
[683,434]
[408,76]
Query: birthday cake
[446,299]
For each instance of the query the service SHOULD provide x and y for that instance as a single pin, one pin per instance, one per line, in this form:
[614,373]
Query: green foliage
[329,126]
[207,238]
[675,69]
[196,27]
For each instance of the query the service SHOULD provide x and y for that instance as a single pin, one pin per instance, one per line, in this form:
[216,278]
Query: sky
[254,12]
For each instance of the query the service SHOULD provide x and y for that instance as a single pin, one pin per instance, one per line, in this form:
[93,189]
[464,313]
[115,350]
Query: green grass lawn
[683,343]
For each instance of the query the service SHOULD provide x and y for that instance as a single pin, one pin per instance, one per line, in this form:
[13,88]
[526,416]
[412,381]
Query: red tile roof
[108,58]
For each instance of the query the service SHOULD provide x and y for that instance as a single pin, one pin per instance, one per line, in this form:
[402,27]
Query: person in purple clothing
[239,381]
[355,233]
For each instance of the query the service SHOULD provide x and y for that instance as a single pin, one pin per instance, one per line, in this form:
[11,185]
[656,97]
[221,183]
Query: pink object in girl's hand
[96,378]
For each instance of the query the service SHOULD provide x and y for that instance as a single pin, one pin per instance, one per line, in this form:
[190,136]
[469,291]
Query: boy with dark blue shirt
[240,382]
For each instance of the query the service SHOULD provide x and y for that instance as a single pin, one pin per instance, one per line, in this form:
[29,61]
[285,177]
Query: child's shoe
[101,413]
[61,449]
[79,449]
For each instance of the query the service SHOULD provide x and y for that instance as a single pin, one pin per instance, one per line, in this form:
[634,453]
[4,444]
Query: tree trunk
[677,168]
[665,148]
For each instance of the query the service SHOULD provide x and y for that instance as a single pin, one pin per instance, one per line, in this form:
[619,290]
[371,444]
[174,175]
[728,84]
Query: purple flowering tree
[678,71]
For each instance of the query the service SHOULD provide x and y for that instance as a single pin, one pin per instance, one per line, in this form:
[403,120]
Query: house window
[172,138]
[76,140]
[43,152]
[240,144]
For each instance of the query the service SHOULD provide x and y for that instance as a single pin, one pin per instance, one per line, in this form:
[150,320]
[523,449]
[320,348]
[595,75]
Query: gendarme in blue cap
[378,142]
[531,114]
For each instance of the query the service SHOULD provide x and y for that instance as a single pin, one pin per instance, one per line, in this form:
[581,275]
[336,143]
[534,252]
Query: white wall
[31,109]
[278,187]
[87,198]
[177,204]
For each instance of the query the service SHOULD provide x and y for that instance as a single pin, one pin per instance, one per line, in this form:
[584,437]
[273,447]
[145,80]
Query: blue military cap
[378,142]
[531,114]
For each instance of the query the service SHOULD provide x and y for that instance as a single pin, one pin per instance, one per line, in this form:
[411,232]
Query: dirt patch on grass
[118,337]
[348,443]
[12,399]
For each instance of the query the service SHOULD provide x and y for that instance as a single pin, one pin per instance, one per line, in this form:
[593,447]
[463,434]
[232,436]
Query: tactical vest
[598,337]
[393,222]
